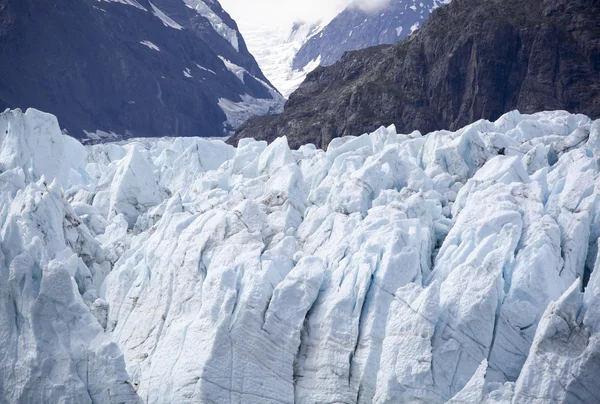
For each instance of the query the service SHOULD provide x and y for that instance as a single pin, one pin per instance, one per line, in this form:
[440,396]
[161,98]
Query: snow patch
[205,69]
[414,28]
[238,71]
[150,45]
[239,112]
[133,3]
[166,20]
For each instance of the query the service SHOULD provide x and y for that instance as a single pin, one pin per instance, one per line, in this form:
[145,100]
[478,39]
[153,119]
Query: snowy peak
[130,67]
[358,28]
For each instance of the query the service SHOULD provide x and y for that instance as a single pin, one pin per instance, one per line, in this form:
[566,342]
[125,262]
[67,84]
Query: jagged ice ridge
[452,267]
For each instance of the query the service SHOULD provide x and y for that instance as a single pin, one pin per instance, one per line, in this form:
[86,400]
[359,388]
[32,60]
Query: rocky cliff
[472,59]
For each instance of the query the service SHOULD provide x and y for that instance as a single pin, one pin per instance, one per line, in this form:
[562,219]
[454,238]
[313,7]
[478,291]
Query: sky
[250,13]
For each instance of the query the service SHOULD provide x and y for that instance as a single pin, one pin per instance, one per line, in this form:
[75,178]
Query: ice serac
[134,188]
[33,142]
[450,267]
[53,347]
[405,372]
[564,360]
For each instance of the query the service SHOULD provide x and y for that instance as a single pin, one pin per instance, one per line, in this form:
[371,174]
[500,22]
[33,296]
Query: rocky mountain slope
[130,67]
[472,59]
[456,267]
[357,28]
[287,54]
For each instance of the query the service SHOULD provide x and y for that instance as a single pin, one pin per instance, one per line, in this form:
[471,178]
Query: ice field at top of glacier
[455,267]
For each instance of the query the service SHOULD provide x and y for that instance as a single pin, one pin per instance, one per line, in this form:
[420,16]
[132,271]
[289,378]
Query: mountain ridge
[288,58]
[508,55]
[356,28]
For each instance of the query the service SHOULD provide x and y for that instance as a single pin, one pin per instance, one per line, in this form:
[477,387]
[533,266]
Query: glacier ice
[450,267]
[275,49]
[238,112]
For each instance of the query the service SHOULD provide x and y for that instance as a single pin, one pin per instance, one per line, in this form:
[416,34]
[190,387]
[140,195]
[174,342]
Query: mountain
[287,54]
[356,28]
[472,59]
[457,267]
[117,68]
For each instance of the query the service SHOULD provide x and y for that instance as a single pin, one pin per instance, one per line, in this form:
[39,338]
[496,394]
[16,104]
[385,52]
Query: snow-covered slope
[275,48]
[453,267]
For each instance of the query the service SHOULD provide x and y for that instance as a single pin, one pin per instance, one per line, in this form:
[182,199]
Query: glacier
[275,48]
[449,267]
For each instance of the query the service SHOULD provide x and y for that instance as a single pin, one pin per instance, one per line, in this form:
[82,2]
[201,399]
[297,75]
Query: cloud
[371,5]
[281,12]
[252,13]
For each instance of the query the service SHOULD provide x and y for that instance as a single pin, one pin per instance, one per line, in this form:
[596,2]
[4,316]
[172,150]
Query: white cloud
[251,13]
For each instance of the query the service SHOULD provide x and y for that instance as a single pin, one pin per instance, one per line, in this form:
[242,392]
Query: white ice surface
[453,267]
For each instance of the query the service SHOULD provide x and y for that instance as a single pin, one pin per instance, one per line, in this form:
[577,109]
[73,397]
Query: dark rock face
[84,61]
[473,59]
[355,28]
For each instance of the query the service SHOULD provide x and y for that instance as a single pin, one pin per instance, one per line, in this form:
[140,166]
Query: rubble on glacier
[452,267]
